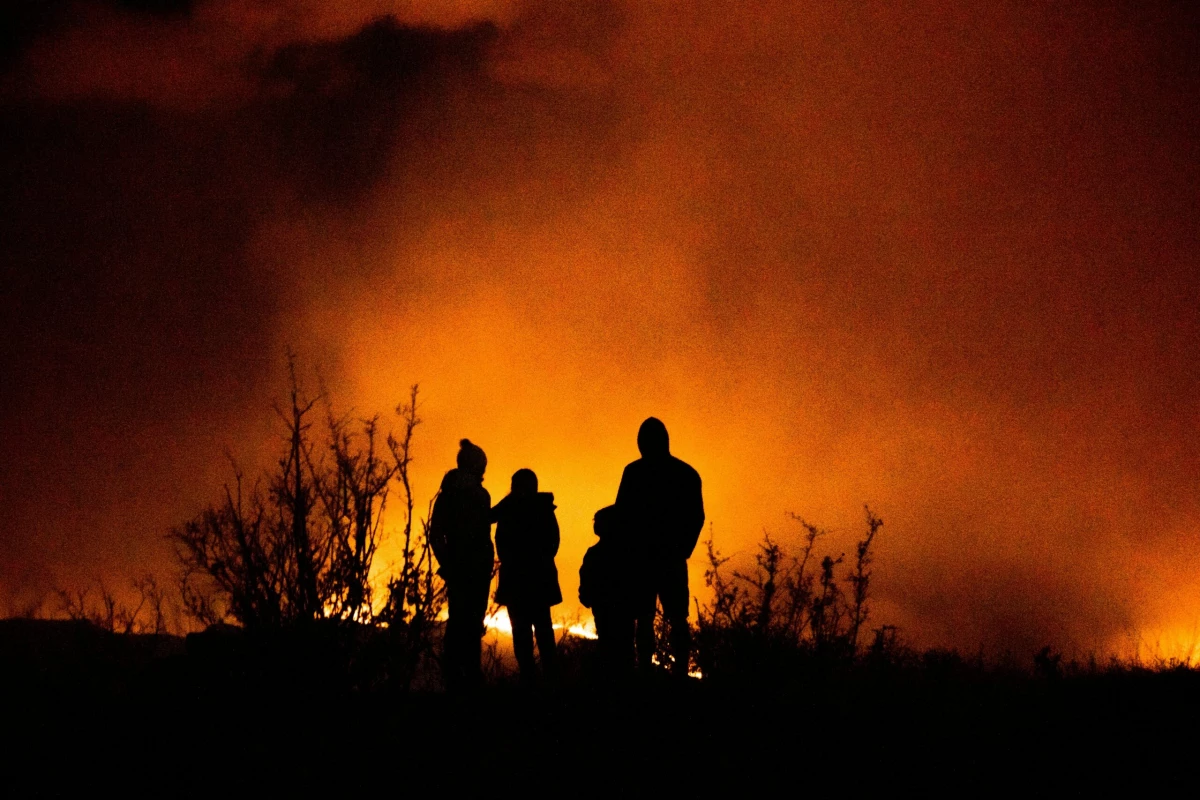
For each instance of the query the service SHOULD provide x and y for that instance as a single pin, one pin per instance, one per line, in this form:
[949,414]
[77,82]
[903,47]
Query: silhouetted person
[610,585]
[461,534]
[526,542]
[661,502]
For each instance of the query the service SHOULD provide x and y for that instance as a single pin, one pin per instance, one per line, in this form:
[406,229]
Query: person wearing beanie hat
[471,458]
[460,532]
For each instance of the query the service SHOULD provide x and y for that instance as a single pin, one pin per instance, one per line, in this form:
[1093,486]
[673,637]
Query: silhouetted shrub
[107,612]
[301,551]
[785,612]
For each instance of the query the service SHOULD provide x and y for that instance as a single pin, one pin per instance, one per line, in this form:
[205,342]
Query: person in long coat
[527,539]
[461,534]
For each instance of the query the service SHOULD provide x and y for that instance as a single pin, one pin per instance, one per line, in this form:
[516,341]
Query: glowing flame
[586,630]
[500,623]
[697,674]
[1179,645]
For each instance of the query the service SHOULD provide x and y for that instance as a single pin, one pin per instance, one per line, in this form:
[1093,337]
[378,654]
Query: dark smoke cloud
[138,326]
[939,258]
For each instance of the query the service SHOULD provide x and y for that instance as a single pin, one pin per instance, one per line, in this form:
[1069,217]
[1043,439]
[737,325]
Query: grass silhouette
[296,679]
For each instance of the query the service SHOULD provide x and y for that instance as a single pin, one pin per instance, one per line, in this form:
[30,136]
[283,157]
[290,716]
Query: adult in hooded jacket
[660,501]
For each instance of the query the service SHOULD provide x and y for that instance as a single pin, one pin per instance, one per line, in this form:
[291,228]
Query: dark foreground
[148,717]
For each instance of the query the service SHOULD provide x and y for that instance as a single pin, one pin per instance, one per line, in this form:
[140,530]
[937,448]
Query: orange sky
[940,260]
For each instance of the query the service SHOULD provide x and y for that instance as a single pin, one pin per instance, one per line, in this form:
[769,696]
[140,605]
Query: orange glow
[499,623]
[936,257]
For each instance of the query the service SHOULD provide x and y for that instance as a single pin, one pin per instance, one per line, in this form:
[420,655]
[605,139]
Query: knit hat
[471,457]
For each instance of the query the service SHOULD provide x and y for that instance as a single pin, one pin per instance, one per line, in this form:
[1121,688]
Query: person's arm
[482,517]
[503,544]
[625,490]
[587,579]
[496,511]
[554,537]
[695,519]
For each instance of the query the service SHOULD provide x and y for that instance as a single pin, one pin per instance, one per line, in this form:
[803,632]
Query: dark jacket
[461,528]
[611,581]
[527,541]
[601,584]
[661,502]
[613,577]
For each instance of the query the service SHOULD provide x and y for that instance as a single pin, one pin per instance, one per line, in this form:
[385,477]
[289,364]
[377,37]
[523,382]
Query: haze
[941,260]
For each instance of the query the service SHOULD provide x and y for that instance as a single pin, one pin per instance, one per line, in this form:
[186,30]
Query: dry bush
[300,551]
[107,612]
[784,610]
[416,594]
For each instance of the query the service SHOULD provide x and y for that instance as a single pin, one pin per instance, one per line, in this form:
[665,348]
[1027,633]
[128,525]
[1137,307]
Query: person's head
[471,458]
[652,438]
[605,521]
[524,482]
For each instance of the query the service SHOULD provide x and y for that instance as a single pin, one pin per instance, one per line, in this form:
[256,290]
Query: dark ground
[146,715]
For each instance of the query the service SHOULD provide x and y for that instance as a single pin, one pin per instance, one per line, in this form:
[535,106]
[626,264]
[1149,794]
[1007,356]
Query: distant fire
[500,623]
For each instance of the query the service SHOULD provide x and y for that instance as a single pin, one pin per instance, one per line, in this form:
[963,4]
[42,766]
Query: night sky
[940,259]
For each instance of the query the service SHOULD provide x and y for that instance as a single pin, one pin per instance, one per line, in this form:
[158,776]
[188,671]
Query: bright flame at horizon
[500,623]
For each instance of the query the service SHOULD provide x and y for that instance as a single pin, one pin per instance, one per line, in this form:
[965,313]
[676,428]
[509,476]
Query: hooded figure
[461,536]
[660,502]
[526,541]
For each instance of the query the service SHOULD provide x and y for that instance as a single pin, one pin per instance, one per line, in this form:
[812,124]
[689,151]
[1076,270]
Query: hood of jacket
[516,504]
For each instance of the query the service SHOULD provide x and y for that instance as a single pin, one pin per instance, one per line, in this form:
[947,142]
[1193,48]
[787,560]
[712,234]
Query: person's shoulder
[635,467]
[685,468]
[628,476]
[598,551]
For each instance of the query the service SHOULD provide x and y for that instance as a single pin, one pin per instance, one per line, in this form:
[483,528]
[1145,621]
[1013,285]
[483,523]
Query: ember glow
[500,623]
[941,259]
